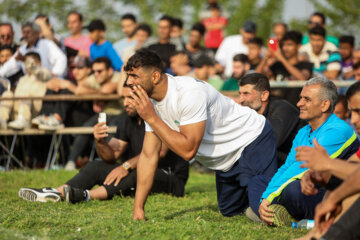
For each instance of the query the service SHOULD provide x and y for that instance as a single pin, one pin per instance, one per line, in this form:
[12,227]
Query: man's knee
[292,192]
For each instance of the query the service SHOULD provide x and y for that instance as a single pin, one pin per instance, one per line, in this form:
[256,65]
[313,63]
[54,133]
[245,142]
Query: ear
[325,105]
[264,96]
[111,71]
[155,77]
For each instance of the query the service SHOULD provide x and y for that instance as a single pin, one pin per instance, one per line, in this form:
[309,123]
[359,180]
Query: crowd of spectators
[45,63]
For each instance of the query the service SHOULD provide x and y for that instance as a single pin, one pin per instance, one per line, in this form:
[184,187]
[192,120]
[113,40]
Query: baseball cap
[80,62]
[249,26]
[96,24]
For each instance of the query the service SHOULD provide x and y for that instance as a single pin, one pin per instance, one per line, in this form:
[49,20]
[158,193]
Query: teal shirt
[230,85]
[331,39]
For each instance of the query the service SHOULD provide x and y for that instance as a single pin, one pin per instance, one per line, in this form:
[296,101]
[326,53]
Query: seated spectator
[77,40]
[341,108]
[114,178]
[52,58]
[203,71]
[7,36]
[214,25]
[255,48]
[280,198]
[128,26]
[102,47]
[346,52]
[177,31]
[6,52]
[32,84]
[287,66]
[233,45]
[162,46]
[193,47]
[141,34]
[319,19]
[283,117]
[341,178]
[279,29]
[324,55]
[104,80]
[180,64]
[241,66]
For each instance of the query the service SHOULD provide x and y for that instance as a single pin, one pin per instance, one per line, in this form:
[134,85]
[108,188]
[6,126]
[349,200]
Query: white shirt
[229,47]
[229,126]
[52,58]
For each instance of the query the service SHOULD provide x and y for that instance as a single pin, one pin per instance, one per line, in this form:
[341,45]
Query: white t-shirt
[229,47]
[229,126]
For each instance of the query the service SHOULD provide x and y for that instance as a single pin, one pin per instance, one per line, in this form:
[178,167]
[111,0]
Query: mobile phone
[273,44]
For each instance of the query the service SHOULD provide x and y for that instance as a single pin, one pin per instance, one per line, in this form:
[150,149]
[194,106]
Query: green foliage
[195,216]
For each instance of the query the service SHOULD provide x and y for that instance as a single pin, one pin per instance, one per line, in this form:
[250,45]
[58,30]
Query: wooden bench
[54,145]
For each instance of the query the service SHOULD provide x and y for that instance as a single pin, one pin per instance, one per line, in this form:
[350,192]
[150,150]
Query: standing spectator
[177,31]
[205,11]
[241,66]
[48,32]
[102,47]
[323,54]
[214,25]
[193,47]
[141,34]
[279,29]
[163,47]
[233,45]
[77,40]
[202,70]
[319,19]
[6,52]
[346,52]
[255,50]
[7,36]
[128,25]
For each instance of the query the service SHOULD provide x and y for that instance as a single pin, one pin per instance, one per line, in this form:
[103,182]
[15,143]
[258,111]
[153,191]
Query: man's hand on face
[141,102]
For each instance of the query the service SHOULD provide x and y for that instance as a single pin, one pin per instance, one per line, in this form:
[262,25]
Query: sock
[87,195]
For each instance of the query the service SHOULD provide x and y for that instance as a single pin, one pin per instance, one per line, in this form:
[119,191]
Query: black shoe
[74,195]
[39,194]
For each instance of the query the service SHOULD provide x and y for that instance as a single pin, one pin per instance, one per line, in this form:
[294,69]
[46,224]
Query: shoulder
[232,38]
[336,129]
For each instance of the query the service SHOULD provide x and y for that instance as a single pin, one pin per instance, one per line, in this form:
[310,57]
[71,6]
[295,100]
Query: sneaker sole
[67,194]
[281,216]
[33,196]
[250,214]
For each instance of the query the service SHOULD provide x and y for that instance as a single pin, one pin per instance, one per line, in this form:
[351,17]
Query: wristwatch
[126,166]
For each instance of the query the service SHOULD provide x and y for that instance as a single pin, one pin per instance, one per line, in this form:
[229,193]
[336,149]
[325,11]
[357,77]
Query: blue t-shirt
[106,50]
[335,135]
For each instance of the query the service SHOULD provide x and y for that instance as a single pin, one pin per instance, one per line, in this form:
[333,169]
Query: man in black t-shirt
[287,66]
[114,178]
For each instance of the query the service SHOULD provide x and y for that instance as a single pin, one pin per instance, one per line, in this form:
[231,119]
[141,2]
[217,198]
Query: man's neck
[101,41]
[315,123]
[255,60]
[160,90]
[192,48]
[164,41]
[32,43]
[263,107]
[293,60]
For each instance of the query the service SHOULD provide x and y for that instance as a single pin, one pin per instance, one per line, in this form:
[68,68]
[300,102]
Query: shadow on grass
[212,207]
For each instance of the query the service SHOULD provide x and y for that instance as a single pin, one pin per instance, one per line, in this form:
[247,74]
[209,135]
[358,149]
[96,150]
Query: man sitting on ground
[279,200]
[112,177]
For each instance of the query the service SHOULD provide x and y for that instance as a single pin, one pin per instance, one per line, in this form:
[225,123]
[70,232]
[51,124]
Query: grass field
[196,216]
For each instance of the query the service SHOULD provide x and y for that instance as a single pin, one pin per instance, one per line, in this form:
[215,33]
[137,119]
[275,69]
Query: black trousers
[95,173]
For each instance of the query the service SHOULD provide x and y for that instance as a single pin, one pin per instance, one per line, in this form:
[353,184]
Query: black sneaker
[74,195]
[40,194]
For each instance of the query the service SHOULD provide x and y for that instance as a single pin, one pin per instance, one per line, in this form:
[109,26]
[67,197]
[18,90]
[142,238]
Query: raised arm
[146,168]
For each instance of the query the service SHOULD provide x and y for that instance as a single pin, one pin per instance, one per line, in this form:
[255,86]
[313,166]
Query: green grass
[196,216]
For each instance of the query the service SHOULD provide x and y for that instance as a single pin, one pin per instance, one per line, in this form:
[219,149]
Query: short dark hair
[356,66]
[202,61]
[129,16]
[347,39]
[33,55]
[7,24]
[199,27]
[41,15]
[144,27]
[167,18]
[352,90]
[177,22]
[241,58]
[342,99]
[214,5]
[258,80]
[96,24]
[144,58]
[257,41]
[3,47]
[34,26]
[80,16]
[104,60]
[318,30]
[294,36]
[321,15]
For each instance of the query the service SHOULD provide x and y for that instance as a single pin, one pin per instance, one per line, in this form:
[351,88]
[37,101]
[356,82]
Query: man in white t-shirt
[196,121]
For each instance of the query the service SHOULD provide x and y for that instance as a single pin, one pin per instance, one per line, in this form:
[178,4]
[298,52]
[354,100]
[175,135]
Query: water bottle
[304,224]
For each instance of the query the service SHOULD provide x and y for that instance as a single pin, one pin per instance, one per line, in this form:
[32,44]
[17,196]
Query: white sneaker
[19,124]
[3,123]
[50,123]
[70,166]
[37,120]
[40,194]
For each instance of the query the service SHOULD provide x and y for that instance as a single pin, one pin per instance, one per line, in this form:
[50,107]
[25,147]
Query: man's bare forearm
[105,152]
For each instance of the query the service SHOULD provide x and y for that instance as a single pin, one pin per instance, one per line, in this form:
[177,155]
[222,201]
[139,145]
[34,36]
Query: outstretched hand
[316,158]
